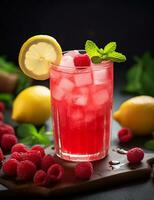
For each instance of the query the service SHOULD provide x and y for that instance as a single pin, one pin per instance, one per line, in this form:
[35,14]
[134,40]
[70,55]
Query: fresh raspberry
[2,107]
[34,156]
[6,129]
[82,60]
[10,167]
[19,148]
[1,116]
[40,178]
[55,173]
[26,170]
[7,141]
[84,170]
[1,155]
[18,156]
[135,155]
[39,148]
[47,161]
[125,135]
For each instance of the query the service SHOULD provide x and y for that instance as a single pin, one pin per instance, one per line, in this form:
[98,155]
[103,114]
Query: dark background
[128,22]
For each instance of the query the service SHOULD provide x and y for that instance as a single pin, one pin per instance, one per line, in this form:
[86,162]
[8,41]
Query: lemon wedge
[37,55]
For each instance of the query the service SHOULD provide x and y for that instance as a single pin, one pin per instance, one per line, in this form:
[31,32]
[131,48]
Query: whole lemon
[137,113]
[32,105]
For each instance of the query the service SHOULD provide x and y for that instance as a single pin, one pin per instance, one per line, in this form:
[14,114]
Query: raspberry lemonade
[81,85]
[81,108]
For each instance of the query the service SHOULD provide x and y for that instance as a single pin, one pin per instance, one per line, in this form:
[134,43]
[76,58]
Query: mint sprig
[29,135]
[140,76]
[97,55]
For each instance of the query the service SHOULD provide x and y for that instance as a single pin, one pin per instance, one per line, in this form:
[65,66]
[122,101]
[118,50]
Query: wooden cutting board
[104,176]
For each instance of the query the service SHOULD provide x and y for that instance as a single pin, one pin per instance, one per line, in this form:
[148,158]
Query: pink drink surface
[81,111]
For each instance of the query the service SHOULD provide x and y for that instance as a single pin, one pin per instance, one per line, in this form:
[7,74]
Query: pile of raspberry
[34,165]
[7,133]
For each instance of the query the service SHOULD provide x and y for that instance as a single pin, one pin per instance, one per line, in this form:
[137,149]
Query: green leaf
[42,130]
[7,66]
[25,130]
[43,136]
[29,135]
[7,98]
[147,75]
[101,51]
[141,75]
[29,141]
[133,79]
[149,145]
[23,82]
[43,139]
[116,57]
[96,59]
[98,55]
[92,49]
[110,47]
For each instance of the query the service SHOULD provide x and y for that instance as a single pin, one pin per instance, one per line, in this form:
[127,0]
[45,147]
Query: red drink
[81,110]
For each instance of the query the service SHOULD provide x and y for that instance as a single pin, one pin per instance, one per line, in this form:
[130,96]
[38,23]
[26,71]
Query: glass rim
[94,67]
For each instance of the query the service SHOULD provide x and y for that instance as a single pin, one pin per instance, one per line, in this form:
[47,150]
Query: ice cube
[83,79]
[80,100]
[80,96]
[67,61]
[100,97]
[62,89]
[100,76]
[76,115]
[72,53]
[66,84]
[58,93]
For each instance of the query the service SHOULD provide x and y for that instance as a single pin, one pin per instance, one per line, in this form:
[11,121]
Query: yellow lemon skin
[137,114]
[32,105]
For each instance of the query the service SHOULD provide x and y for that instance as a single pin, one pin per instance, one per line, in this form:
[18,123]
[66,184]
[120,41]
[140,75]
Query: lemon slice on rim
[37,55]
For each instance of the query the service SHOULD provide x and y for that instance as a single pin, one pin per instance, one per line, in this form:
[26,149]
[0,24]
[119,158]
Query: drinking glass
[81,101]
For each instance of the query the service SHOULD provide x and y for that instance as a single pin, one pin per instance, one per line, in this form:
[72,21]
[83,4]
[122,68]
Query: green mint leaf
[110,47]
[44,136]
[140,76]
[29,135]
[149,145]
[6,98]
[133,79]
[29,141]
[25,130]
[116,57]
[96,59]
[98,55]
[101,51]
[42,130]
[43,139]
[7,66]
[92,49]
[147,77]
